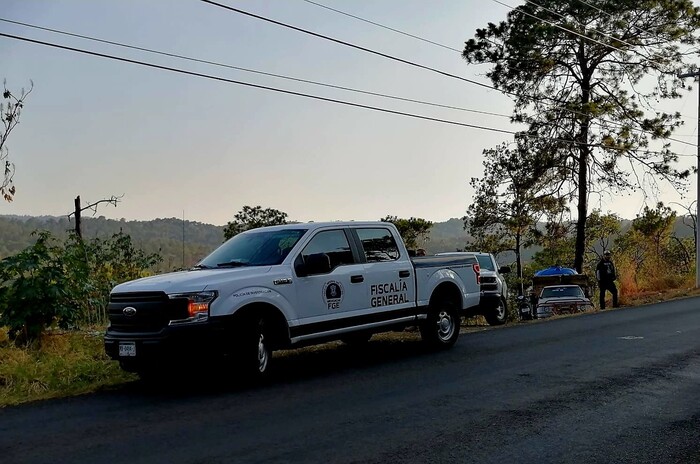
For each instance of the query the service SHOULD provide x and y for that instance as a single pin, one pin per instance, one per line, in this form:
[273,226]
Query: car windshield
[485,262]
[254,248]
[562,292]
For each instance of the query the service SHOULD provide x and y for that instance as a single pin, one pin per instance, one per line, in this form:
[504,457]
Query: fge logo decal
[333,294]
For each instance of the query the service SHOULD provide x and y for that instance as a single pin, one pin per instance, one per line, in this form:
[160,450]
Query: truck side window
[334,244]
[379,245]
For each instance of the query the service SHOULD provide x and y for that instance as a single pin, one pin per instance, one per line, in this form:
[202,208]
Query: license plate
[127,349]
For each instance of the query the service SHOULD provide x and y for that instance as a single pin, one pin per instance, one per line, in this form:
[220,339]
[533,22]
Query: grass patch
[60,364]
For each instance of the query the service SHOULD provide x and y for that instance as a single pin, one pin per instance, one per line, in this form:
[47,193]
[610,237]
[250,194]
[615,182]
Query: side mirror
[504,270]
[318,263]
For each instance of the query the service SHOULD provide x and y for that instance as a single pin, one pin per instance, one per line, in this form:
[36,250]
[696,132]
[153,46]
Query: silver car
[562,299]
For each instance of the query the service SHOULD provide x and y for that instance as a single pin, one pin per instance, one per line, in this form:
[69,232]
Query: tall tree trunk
[582,208]
[583,158]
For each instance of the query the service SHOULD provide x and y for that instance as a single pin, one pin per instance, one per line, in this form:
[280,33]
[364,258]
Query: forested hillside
[163,236]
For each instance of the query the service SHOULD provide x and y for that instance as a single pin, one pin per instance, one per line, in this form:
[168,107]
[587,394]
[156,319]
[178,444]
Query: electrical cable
[289,92]
[383,26]
[341,42]
[238,68]
[249,84]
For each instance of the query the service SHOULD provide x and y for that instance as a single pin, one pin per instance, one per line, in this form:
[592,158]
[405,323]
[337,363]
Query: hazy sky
[170,142]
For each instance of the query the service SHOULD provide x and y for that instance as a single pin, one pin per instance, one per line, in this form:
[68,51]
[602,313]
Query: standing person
[605,275]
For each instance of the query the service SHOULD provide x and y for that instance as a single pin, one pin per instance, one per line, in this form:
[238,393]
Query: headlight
[197,303]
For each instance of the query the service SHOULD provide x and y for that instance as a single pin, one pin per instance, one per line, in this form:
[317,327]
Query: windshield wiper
[232,264]
[201,266]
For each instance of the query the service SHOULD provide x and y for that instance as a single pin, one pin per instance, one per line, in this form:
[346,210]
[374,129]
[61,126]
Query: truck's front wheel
[254,352]
[441,328]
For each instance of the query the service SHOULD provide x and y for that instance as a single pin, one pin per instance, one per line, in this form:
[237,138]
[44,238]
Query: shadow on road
[288,367]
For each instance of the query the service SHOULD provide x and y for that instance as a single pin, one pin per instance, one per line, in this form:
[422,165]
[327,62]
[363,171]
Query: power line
[254,71]
[257,86]
[348,44]
[383,26]
[391,57]
[611,16]
[314,97]
[553,25]
[587,38]
[584,27]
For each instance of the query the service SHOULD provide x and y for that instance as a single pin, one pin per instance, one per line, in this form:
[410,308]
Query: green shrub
[65,284]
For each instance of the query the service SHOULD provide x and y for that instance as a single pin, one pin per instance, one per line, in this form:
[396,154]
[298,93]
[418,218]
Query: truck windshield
[263,248]
[562,292]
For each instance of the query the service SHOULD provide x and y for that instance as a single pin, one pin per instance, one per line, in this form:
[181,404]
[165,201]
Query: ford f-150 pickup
[286,286]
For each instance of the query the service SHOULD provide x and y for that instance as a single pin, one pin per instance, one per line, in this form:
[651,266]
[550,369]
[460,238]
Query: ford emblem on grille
[129,311]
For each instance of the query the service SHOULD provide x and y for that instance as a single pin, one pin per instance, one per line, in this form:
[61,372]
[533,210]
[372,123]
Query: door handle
[404,273]
[356,279]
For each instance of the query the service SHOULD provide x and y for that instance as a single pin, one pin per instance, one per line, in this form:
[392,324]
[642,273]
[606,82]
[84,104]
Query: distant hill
[166,236]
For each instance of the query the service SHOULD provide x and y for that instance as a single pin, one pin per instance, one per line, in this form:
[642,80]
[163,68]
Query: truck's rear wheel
[499,314]
[441,328]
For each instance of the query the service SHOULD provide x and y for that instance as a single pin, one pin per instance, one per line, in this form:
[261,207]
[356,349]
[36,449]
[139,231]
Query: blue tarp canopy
[556,270]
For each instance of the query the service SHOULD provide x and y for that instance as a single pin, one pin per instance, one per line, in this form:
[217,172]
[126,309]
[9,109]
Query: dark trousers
[610,286]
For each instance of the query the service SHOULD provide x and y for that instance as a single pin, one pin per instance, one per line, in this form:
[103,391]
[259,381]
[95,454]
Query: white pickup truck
[286,286]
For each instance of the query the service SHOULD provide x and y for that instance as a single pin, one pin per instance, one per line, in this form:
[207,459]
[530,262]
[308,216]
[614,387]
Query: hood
[195,280]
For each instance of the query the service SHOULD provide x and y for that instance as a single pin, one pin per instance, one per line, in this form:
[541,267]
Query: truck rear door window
[379,245]
[334,243]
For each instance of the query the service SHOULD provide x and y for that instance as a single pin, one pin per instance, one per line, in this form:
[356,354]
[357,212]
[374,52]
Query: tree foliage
[513,194]
[67,283]
[600,231]
[585,77]
[413,231]
[10,110]
[252,218]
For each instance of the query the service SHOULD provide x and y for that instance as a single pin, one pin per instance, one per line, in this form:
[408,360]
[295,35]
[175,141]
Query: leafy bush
[34,290]
[65,284]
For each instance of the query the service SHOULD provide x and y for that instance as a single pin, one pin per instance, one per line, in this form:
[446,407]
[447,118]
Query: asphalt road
[618,386]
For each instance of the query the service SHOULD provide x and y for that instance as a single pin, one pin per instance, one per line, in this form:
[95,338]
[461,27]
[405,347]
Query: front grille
[488,280]
[153,311]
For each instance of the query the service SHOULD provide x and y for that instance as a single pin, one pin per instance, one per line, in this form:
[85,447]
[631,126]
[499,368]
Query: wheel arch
[447,291]
[275,320]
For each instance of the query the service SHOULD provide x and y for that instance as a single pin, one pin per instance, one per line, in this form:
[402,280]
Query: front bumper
[173,342]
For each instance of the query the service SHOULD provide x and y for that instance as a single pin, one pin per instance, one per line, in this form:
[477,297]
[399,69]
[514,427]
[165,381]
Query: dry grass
[60,364]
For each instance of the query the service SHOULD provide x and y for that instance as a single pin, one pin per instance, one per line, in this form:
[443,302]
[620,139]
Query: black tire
[254,351]
[499,314]
[356,339]
[441,329]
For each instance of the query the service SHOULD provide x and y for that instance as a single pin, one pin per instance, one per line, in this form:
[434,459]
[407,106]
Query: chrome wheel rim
[501,311]
[263,356]
[445,326]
